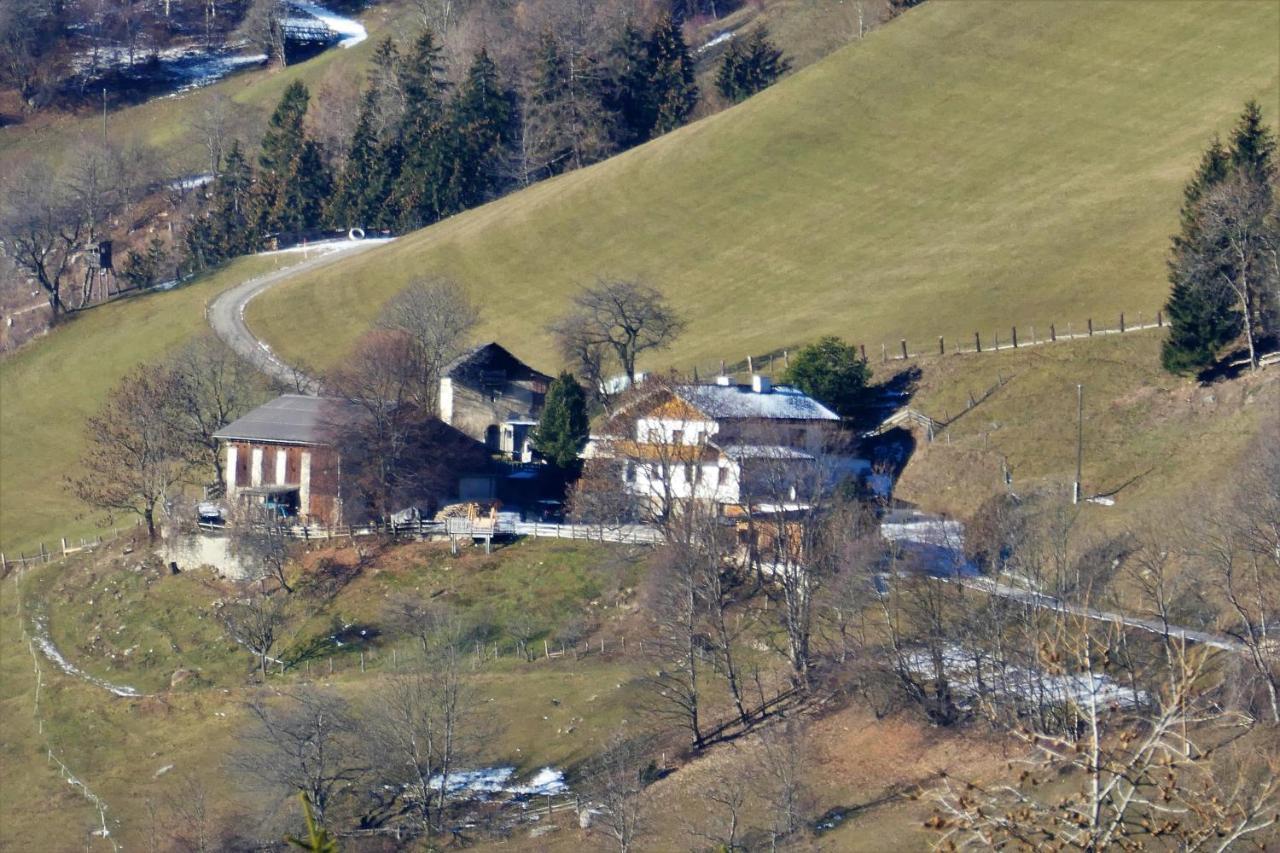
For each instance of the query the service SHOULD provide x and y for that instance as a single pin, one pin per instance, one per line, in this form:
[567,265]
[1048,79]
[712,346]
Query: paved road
[226,313]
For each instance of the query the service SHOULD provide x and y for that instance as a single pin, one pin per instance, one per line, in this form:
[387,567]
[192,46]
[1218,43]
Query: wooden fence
[1018,337]
[630,534]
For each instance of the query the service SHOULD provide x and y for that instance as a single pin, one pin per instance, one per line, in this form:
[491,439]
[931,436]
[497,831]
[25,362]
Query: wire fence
[990,341]
[65,772]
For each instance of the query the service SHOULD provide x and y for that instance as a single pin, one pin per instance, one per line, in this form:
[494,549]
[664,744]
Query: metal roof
[289,419]
[782,402]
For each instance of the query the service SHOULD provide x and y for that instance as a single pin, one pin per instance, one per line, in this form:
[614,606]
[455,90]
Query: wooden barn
[493,397]
[280,455]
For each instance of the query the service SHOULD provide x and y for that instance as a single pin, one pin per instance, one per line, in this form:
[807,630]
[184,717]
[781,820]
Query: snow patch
[350,31]
[491,781]
[50,651]
[720,38]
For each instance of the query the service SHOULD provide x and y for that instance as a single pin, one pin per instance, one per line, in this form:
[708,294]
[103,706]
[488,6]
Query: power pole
[104,118]
[1076,495]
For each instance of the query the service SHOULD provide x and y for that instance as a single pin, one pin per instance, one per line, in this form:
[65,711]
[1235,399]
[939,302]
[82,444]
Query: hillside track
[226,313]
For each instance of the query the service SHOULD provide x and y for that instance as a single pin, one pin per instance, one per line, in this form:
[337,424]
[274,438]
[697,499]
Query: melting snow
[49,650]
[501,780]
[1033,686]
[721,38]
[351,32]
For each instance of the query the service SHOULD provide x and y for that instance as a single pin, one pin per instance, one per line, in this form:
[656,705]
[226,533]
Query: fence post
[1122,322]
[1091,327]
[942,349]
[362,660]
[996,344]
[1053,333]
[904,349]
[64,546]
[977,342]
[546,649]
[1160,319]
[884,354]
[863,347]
[1015,336]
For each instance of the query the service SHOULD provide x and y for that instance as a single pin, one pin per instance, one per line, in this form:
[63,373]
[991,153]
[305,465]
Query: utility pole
[1076,495]
[104,118]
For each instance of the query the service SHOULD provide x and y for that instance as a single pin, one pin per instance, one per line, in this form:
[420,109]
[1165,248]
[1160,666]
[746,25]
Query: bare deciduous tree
[305,741]
[42,230]
[614,782]
[425,726]
[213,386]
[134,458]
[616,317]
[260,541]
[437,318]
[256,623]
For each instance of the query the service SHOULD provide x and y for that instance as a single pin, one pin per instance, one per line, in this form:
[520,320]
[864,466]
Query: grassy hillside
[166,124]
[51,386]
[971,166]
[1155,443]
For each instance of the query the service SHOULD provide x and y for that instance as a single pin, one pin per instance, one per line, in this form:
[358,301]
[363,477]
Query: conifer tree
[1222,270]
[673,91]
[628,88]
[482,116]
[227,229]
[750,66]
[1201,319]
[830,371]
[358,192]
[421,188]
[563,428]
[293,174]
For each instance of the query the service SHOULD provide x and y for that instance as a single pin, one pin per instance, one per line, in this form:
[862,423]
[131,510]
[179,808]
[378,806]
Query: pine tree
[358,191]
[422,183]
[830,371]
[1201,320]
[750,67]
[1253,145]
[563,428]
[278,200]
[628,88]
[226,230]
[1208,273]
[482,118]
[673,91]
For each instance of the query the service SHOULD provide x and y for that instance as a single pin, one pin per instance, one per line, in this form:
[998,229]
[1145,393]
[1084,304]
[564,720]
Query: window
[629,473]
[677,436]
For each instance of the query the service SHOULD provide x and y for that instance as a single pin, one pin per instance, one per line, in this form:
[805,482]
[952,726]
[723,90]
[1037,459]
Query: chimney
[761,384]
[724,380]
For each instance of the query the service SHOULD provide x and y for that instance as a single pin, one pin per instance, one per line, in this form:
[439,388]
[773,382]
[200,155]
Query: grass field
[1156,444]
[52,385]
[969,167]
[166,124]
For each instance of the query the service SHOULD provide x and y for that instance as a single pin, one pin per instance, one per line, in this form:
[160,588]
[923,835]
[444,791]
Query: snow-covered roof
[782,402]
[763,451]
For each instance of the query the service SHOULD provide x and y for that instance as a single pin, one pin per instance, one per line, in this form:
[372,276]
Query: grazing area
[870,199]
[53,385]
[1152,443]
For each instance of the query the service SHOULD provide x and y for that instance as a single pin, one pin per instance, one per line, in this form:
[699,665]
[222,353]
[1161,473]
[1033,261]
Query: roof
[782,402]
[289,419]
[481,362]
[739,452]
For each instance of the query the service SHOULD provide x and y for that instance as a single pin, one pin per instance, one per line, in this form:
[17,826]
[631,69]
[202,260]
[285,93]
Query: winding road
[226,313]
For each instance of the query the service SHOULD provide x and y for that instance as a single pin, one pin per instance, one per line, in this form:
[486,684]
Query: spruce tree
[357,192]
[673,91]
[226,230]
[830,371]
[482,119]
[563,429]
[751,67]
[1201,320]
[422,147]
[628,90]
[1230,193]
[279,202]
